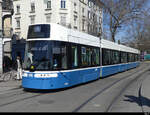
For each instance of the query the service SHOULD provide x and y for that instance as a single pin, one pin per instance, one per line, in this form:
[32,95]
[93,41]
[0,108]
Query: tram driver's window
[59,56]
[56,58]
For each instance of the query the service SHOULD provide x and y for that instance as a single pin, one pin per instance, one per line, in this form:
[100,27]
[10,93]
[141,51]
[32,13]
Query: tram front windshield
[45,56]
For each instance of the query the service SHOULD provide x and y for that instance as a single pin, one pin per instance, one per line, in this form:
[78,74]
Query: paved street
[124,92]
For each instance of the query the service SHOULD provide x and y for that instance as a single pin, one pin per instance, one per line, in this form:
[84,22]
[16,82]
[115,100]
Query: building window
[83,25]
[75,22]
[83,12]
[32,7]
[75,7]
[18,22]
[49,4]
[18,9]
[63,20]
[63,4]
[89,15]
[32,19]
[48,18]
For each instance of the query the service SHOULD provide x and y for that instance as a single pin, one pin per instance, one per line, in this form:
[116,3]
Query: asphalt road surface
[117,93]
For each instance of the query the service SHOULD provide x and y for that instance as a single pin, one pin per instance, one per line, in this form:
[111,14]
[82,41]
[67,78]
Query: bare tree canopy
[138,34]
[119,13]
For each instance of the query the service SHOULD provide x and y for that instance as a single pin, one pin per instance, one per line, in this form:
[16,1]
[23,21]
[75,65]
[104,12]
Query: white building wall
[56,12]
[0,14]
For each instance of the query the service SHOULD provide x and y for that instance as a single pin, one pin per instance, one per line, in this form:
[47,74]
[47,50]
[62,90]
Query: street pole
[1,40]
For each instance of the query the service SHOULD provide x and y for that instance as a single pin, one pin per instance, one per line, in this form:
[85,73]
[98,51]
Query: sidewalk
[9,85]
[145,94]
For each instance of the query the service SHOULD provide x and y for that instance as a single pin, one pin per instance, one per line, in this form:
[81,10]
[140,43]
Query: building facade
[7,9]
[1,47]
[81,15]
[1,18]
[7,12]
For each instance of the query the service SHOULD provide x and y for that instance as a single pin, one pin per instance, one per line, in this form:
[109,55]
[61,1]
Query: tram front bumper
[35,82]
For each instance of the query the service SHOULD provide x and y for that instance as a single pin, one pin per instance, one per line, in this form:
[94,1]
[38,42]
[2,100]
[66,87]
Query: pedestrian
[19,68]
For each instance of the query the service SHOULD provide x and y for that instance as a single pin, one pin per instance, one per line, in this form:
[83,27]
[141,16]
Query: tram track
[124,93]
[124,89]
[17,96]
[138,75]
[18,100]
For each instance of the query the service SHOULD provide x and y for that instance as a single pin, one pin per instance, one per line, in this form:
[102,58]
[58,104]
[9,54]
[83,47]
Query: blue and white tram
[57,57]
[117,58]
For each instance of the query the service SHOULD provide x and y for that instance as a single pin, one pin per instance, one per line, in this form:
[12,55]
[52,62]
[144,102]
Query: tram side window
[98,57]
[64,57]
[106,57]
[132,58]
[110,57]
[83,57]
[123,57]
[136,57]
[59,56]
[129,57]
[93,57]
[90,56]
[115,57]
[74,56]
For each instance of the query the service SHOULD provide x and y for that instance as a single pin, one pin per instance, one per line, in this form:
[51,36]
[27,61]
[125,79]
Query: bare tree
[138,34]
[119,13]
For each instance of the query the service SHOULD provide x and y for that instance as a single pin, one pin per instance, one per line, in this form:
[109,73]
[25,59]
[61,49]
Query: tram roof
[61,33]
[69,35]
[115,46]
